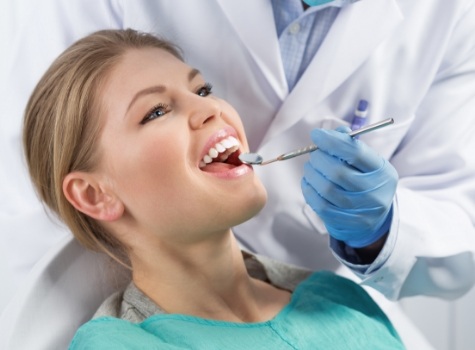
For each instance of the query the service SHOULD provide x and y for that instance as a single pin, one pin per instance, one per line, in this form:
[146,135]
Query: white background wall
[6,30]
[447,325]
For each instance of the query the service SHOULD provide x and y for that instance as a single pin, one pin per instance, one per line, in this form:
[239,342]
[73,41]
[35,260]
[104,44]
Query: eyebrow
[193,73]
[158,88]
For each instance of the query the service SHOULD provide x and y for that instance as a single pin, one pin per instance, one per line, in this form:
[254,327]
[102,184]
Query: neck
[207,279]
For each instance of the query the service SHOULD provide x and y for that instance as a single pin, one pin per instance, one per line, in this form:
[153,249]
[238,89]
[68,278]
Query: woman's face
[160,122]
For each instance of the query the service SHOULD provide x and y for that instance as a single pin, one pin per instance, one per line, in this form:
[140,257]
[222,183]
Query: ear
[86,193]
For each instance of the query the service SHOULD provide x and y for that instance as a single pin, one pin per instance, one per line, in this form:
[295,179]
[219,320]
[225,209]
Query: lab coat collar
[253,21]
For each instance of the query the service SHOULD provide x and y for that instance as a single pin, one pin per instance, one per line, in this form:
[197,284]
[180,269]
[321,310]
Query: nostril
[201,118]
[209,118]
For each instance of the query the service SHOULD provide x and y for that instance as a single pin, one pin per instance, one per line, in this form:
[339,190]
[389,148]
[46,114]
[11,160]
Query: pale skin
[174,216]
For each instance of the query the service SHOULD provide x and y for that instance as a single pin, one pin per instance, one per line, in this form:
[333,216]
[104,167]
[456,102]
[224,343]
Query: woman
[141,162]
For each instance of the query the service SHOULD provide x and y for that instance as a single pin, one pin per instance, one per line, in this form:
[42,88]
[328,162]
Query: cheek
[148,188]
[143,167]
[150,169]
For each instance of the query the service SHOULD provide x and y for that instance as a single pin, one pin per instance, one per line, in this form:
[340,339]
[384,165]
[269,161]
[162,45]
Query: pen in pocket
[359,116]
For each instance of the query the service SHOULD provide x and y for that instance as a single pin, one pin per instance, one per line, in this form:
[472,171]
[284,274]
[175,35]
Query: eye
[205,90]
[156,112]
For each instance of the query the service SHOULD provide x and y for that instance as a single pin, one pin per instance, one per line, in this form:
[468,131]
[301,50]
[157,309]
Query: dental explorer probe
[256,159]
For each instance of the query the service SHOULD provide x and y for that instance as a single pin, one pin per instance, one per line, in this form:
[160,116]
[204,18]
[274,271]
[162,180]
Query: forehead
[155,62]
[138,69]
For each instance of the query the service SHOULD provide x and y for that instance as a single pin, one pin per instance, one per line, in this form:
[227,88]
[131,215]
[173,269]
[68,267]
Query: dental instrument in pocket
[256,159]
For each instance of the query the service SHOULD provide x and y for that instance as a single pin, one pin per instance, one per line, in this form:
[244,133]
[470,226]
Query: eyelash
[163,108]
[207,88]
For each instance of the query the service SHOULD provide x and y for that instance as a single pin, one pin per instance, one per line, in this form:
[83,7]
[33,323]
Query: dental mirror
[251,158]
[256,159]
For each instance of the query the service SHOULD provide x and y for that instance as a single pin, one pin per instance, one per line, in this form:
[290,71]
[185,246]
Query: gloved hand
[350,187]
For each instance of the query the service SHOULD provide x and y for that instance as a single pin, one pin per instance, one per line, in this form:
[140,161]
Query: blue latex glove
[350,187]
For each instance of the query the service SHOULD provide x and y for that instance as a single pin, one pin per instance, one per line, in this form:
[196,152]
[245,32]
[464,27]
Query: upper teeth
[222,149]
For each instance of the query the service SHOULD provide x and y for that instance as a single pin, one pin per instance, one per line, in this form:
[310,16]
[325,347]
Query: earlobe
[87,195]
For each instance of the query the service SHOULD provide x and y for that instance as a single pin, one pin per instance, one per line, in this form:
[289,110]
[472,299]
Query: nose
[202,111]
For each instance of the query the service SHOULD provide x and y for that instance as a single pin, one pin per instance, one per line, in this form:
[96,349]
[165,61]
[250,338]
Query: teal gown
[325,312]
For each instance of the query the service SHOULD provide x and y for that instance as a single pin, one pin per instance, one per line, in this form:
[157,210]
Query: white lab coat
[412,60]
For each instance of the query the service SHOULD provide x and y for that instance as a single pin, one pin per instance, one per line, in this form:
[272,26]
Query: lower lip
[232,173]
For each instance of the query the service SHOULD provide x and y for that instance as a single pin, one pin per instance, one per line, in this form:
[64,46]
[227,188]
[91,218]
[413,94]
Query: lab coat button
[294,28]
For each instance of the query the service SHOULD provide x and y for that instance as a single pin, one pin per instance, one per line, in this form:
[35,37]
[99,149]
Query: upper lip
[218,136]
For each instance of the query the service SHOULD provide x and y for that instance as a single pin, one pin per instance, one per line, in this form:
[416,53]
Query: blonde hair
[61,125]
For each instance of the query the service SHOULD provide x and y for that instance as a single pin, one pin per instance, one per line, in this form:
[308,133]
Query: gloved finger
[323,187]
[337,171]
[342,198]
[312,197]
[343,129]
[343,146]
[348,177]
[357,227]
[338,228]
[338,221]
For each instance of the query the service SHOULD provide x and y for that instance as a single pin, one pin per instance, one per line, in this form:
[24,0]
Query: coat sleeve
[434,253]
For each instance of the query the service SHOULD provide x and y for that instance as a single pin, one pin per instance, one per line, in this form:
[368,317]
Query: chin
[255,202]
[242,204]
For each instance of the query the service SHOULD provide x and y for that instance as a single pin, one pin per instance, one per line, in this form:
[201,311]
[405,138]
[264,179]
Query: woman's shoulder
[330,286]
[110,333]
[288,276]
[340,293]
[324,278]
[338,308]
[114,333]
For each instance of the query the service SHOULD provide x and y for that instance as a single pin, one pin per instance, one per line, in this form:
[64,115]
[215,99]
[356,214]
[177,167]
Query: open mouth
[222,156]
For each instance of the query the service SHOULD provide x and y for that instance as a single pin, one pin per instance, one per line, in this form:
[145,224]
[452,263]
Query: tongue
[217,167]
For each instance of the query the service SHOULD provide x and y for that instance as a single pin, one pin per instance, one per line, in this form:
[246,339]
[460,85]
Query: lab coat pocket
[386,140]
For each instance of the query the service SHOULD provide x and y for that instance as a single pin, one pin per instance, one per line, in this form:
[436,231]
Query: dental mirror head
[250,158]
